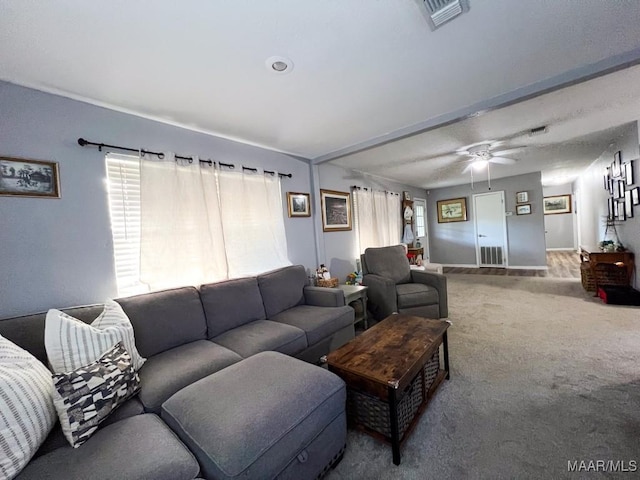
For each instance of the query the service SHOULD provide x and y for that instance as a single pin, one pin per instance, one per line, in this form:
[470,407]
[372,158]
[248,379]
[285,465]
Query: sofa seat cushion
[257,417]
[415,294]
[56,438]
[263,335]
[317,322]
[166,373]
[140,447]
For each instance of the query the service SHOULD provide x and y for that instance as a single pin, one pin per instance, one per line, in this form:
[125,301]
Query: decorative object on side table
[29,178]
[336,211]
[298,204]
[452,210]
[324,278]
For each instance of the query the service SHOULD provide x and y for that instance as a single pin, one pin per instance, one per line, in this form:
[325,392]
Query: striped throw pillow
[27,414]
[70,343]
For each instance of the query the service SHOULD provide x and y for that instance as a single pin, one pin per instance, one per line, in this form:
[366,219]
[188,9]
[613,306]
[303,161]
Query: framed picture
[610,215]
[628,204]
[616,166]
[635,196]
[523,209]
[522,197]
[557,204]
[406,195]
[621,189]
[299,204]
[628,172]
[29,178]
[336,211]
[620,212]
[453,210]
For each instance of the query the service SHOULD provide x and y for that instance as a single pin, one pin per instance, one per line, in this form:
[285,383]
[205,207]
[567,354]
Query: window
[123,182]
[176,225]
[420,227]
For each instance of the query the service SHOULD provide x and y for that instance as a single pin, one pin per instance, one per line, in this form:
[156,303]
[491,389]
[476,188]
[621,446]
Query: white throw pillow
[71,343]
[27,414]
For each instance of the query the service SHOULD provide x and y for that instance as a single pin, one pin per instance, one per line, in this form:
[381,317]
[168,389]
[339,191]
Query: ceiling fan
[482,155]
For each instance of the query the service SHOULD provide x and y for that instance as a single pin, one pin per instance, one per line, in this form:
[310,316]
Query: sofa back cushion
[28,331]
[230,304]
[166,319]
[282,289]
[389,262]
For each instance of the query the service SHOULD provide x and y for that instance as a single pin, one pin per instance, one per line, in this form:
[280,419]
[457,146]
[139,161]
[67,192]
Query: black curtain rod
[356,187]
[86,143]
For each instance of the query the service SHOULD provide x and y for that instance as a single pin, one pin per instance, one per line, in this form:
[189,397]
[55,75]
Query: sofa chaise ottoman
[269,416]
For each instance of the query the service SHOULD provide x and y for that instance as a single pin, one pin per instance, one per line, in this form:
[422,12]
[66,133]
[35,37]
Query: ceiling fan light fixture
[480,164]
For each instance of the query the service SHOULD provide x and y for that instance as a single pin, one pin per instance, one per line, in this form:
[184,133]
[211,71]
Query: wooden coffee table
[391,371]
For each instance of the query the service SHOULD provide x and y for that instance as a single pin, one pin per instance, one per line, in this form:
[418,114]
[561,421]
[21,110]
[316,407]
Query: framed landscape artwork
[336,210]
[453,210]
[557,204]
[523,209]
[29,178]
[298,204]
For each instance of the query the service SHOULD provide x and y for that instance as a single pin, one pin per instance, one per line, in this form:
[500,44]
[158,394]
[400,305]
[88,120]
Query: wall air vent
[441,11]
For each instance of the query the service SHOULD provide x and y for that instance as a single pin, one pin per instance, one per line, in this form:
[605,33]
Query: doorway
[422,234]
[491,230]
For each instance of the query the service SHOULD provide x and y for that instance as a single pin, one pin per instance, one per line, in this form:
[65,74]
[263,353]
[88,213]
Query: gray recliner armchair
[395,288]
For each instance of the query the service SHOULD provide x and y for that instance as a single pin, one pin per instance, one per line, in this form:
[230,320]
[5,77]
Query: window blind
[123,183]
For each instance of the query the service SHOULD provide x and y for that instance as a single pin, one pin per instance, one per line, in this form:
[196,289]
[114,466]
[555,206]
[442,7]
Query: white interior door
[491,229]
[420,216]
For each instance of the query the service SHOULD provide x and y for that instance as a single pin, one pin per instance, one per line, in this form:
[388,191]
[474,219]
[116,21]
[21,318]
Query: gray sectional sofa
[187,336]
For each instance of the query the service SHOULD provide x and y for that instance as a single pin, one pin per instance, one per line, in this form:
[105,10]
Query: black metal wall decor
[619,182]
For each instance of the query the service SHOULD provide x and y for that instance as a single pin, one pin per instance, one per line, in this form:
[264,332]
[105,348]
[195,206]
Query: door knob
[480,235]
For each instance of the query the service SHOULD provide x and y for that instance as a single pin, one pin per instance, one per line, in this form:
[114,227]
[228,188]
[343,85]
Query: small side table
[353,293]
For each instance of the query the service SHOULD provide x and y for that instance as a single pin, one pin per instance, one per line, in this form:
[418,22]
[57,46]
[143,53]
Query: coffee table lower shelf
[375,416]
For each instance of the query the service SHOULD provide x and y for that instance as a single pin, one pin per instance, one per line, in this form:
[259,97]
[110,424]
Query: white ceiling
[364,71]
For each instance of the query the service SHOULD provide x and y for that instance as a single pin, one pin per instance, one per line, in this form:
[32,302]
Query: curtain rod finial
[82,142]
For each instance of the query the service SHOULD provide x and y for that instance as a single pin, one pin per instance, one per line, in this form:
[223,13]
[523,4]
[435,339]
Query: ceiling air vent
[441,11]
[538,130]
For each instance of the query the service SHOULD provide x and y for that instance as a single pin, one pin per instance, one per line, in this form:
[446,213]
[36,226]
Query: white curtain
[253,228]
[181,240]
[201,225]
[378,218]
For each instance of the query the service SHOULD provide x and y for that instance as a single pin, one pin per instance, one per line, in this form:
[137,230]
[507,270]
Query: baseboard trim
[528,267]
[571,249]
[459,265]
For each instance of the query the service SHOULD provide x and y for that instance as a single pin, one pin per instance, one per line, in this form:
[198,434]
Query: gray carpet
[542,374]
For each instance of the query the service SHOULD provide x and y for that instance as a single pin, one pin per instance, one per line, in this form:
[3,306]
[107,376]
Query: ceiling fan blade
[503,160]
[508,151]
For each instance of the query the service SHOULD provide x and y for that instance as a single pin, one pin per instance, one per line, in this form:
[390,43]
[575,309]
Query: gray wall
[559,228]
[454,243]
[341,248]
[58,253]
[592,197]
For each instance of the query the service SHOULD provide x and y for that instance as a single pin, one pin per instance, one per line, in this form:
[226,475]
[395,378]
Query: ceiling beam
[571,77]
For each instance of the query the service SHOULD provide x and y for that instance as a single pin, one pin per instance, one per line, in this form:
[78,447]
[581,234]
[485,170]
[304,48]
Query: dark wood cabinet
[608,268]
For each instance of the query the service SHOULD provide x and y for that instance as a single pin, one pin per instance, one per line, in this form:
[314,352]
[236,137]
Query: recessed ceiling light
[279,65]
